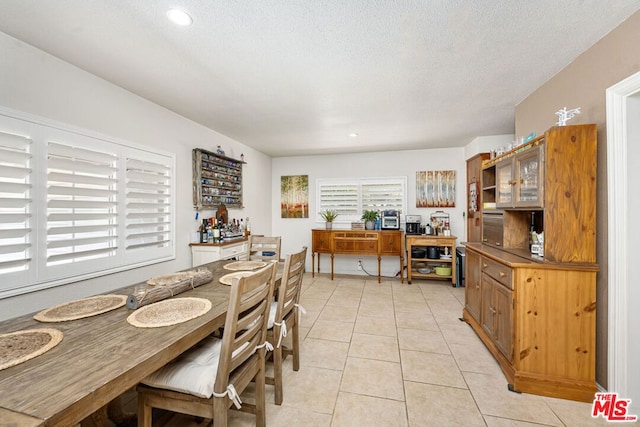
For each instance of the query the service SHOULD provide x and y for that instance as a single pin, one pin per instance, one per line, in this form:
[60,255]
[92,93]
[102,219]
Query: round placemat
[20,346]
[227,278]
[169,312]
[82,308]
[244,265]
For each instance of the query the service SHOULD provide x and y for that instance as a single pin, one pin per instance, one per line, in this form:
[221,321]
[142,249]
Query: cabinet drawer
[356,246]
[233,251]
[500,272]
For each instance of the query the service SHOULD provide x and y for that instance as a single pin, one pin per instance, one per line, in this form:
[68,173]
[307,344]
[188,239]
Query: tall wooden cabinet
[537,314]
[475,199]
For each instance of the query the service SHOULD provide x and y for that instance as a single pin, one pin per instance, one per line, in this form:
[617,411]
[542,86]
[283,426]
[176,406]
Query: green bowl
[443,270]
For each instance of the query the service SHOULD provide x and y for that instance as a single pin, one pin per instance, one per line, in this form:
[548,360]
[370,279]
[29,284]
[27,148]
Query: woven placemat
[227,278]
[169,312]
[244,265]
[20,346]
[82,308]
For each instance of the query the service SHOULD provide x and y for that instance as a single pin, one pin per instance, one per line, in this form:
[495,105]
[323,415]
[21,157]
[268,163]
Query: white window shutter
[148,204]
[15,203]
[81,204]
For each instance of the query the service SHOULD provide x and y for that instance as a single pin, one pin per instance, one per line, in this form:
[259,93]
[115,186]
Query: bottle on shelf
[216,231]
[532,230]
[209,231]
[203,231]
[247,228]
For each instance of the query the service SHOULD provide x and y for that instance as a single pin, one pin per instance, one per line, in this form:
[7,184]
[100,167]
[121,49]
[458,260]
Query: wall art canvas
[436,189]
[294,196]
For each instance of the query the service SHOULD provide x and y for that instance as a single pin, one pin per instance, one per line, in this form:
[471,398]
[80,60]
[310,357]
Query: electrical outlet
[359,265]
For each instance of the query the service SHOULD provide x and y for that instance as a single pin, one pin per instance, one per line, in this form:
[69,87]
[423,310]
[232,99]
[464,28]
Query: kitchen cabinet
[496,303]
[203,253]
[475,199]
[472,289]
[553,179]
[536,315]
[425,241]
[376,243]
[217,180]
[541,330]
[519,178]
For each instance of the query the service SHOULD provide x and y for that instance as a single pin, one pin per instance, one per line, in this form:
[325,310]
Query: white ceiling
[296,77]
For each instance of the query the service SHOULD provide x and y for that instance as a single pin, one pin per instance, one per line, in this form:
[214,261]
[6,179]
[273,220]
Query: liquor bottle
[210,231]
[203,231]
[242,228]
[216,231]
[532,229]
[248,227]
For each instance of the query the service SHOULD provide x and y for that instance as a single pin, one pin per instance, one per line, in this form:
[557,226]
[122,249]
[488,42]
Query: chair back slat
[288,293]
[259,246]
[246,322]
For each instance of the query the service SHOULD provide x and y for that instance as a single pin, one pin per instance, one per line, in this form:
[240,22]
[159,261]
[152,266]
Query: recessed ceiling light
[353,135]
[179,17]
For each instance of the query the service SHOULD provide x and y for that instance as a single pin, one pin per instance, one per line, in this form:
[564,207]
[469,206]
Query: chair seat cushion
[194,372]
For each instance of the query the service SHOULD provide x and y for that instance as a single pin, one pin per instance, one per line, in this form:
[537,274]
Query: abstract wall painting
[294,196]
[436,189]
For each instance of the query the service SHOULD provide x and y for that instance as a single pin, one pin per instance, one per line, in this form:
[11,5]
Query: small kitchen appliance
[390,219]
[413,224]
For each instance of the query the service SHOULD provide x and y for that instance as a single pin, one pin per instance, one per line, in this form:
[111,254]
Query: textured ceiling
[296,77]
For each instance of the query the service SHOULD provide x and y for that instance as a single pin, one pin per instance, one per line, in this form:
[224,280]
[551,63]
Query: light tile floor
[394,354]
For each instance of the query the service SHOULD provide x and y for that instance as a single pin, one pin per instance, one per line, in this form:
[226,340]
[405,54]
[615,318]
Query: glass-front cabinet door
[504,183]
[528,178]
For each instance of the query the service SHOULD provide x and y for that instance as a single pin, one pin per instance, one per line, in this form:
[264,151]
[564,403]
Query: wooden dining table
[100,358]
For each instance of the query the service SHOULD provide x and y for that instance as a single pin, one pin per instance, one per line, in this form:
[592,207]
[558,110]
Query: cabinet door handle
[485,240]
[485,265]
[502,274]
[513,182]
[497,243]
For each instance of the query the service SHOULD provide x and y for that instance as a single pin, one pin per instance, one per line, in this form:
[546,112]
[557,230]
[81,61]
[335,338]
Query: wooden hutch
[536,314]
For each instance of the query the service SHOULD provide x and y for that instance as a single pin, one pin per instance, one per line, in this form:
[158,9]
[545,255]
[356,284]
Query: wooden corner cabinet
[357,242]
[536,314]
[217,180]
[475,199]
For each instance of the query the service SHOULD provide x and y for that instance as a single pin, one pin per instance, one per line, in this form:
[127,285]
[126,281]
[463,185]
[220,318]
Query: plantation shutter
[15,203]
[81,204]
[379,195]
[148,218]
[350,197]
[341,197]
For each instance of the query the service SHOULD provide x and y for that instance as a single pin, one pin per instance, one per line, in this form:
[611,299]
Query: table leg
[313,264]
[379,257]
[331,266]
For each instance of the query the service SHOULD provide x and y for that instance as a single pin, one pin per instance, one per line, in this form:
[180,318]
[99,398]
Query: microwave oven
[390,220]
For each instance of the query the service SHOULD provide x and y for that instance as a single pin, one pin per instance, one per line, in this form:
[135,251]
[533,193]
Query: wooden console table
[357,242]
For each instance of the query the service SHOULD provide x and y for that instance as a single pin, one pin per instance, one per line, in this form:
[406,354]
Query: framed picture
[294,196]
[436,189]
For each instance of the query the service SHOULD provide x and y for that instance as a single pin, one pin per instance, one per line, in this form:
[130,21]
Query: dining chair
[264,248]
[284,318]
[207,380]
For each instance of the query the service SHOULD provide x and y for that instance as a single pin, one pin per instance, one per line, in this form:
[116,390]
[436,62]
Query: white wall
[35,82]
[297,232]
[484,144]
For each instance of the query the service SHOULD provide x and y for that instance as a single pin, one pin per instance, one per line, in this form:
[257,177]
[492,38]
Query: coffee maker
[413,224]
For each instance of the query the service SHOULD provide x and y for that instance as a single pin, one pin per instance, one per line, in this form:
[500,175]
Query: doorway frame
[618,244]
